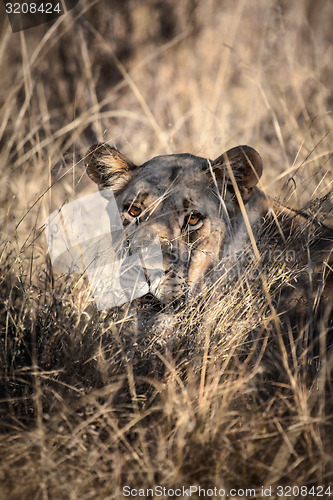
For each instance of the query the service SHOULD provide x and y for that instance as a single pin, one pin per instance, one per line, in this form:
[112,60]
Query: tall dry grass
[91,401]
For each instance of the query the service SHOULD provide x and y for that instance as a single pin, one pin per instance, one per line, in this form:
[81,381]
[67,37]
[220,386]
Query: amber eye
[193,219]
[134,211]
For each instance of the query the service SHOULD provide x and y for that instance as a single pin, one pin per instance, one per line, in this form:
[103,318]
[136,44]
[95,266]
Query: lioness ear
[246,166]
[107,167]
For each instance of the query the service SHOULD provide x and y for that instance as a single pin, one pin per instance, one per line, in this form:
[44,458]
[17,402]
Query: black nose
[149,300]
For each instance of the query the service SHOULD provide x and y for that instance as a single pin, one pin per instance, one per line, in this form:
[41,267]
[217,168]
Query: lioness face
[187,200]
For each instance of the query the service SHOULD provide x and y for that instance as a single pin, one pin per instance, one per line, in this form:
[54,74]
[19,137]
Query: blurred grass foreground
[89,401]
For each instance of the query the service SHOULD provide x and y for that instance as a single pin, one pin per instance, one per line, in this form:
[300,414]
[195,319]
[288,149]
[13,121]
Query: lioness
[206,212]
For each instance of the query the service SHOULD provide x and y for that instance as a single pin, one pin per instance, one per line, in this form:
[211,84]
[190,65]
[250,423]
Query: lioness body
[206,212]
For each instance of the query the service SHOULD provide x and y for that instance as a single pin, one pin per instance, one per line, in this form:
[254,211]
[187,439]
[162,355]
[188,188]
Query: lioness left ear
[107,166]
[246,166]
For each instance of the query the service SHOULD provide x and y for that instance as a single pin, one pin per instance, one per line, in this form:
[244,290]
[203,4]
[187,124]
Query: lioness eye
[134,211]
[193,218]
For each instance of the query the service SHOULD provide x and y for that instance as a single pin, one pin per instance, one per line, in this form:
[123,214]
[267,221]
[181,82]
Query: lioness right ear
[107,166]
[246,166]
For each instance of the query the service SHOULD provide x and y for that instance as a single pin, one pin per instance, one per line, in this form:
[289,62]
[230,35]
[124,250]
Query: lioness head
[190,202]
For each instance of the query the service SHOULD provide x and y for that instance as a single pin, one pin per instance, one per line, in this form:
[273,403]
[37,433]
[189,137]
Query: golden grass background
[88,403]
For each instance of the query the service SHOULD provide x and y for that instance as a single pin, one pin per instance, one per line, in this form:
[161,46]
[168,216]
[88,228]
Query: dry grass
[90,402]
